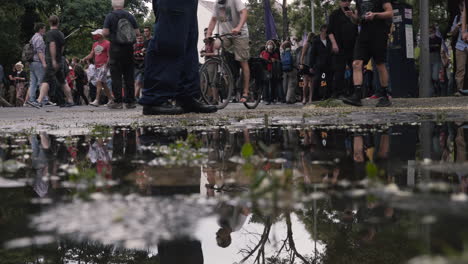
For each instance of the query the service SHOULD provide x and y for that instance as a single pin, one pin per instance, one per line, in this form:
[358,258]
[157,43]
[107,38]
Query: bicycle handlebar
[218,36]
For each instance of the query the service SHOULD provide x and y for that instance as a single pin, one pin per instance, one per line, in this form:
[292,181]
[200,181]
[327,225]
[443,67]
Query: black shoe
[384,102]
[354,100]
[114,105]
[162,109]
[67,105]
[190,105]
[130,105]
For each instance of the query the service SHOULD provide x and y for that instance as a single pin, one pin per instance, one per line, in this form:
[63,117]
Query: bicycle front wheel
[216,83]
[255,94]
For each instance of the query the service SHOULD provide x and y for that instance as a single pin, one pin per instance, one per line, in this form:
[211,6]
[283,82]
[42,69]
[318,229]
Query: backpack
[287,61]
[125,34]
[28,52]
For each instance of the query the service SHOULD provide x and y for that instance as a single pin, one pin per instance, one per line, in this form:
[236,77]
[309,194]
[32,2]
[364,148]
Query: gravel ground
[80,119]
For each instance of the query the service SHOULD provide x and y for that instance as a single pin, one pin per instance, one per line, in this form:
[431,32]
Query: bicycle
[218,78]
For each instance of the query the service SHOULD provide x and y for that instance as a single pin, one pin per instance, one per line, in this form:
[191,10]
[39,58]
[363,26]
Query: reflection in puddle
[322,194]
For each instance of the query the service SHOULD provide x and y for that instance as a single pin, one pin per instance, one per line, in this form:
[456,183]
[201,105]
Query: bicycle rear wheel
[216,83]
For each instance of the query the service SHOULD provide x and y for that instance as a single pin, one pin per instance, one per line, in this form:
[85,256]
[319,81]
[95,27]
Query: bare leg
[107,91]
[98,93]
[357,72]
[68,93]
[44,90]
[305,89]
[383,74]
[311,89]
[246,72]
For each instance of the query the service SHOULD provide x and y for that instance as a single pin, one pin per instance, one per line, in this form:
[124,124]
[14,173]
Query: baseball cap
[97,32]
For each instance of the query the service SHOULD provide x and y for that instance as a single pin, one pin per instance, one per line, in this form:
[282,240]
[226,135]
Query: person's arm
[455,27]
[90,55]
[41,52]
[313,55]
[211,26]
[303,54]
[53,54]
[387,14]
[335,48]
[244,13]
[105,28]
[331,35]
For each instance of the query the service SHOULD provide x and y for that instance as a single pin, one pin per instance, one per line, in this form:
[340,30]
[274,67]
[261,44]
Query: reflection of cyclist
[232,17]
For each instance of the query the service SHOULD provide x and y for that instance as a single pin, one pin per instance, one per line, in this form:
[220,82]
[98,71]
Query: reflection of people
[231,219]
[40,163]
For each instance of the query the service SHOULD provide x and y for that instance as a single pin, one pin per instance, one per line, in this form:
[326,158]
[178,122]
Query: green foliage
[17,20]
[247,151]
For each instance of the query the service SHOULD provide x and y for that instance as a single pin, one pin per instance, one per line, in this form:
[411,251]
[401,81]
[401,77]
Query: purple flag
[270,27]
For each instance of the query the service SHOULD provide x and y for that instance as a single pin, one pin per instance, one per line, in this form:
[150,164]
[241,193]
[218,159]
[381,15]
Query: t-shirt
[101,53]
[375,6]
[344,30]
[112,22]
[54,35]
[228,16]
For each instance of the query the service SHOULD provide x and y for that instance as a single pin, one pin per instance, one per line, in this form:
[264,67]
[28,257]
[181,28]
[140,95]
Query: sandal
[244,99]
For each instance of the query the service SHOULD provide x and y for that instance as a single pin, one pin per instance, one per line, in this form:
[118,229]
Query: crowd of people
[346,60]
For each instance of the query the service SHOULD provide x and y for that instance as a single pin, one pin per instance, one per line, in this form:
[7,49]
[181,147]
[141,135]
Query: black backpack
[125,34]
[28,52]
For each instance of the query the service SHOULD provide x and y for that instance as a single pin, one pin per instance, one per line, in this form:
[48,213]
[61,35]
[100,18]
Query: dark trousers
[323,86]
[171,63]
[339,63]
[122,67]
[80,93]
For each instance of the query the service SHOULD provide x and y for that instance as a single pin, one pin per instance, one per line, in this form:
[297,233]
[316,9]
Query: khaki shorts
[239,46]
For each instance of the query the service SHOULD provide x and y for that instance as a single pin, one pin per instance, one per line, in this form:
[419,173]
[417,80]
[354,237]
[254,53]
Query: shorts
[371,44]
[239,46]
[51,75]
[139,75]
[306,71]
[100,74]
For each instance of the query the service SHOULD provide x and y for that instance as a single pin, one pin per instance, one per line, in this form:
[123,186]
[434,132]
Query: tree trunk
[285,20]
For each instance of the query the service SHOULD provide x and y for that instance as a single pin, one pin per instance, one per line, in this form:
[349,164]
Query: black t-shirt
[435,44]
[112,22]
[54,35]
[21,74]
[344,30]
[375,6]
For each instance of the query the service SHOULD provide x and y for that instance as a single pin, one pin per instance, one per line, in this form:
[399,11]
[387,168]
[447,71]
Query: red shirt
[101,53]
[268,56]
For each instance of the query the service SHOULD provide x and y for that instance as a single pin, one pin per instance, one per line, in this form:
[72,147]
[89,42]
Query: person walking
[38,65]
[435,58]
[342,33]
[121,27]
[461,50]
[306,71]
[374,17]
[100,55]
[271,56]
[171,63]
[320,61]
[54,73]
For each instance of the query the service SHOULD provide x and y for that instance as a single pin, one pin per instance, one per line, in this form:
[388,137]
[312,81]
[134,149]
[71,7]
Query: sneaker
[130,105]
[114,105]
[384,102]
[94,103]
[373,97]
[354,100]
[67,105]
[34,104]
[49,103]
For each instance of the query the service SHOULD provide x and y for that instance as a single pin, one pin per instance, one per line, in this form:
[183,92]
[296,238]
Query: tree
[17,20]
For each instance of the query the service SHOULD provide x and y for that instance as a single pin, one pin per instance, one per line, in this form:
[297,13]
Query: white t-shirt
[228,16]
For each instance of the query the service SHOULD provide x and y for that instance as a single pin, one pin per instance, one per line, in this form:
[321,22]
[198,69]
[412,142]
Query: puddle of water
[393,193]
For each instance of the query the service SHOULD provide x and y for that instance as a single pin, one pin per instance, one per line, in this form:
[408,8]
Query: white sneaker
[95,103]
